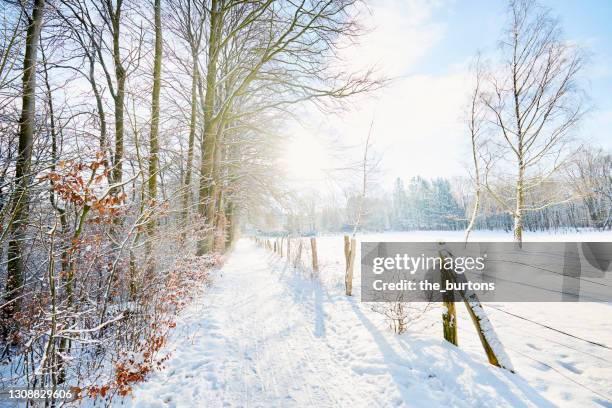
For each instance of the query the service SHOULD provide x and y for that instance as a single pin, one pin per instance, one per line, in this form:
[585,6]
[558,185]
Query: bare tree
[111,14]
[19,201]
[475,121]
[154,136]
[366,167]
[189,22]
[533,104]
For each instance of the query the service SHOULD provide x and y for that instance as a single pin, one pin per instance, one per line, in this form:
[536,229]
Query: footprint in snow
[542,367]
[570,367]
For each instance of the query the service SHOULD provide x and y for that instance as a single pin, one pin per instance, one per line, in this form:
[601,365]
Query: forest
[440,204]
[133,135]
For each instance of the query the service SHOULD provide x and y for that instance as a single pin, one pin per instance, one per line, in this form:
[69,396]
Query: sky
[418,118]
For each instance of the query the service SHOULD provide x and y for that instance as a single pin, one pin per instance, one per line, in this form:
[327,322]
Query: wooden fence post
[289,249]
[350,246]
[449,315]
[315,259]
[488,338]
[347,248]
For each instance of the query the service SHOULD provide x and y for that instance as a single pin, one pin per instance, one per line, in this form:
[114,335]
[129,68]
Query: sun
[305,158]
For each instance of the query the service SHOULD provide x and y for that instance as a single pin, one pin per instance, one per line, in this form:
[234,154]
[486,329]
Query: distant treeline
[439,204]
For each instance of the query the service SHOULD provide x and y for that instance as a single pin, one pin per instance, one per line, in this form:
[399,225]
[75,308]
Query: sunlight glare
[305,158]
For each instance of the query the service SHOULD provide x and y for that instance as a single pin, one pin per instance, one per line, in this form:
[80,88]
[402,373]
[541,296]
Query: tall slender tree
[153,137]
[534,103]
[206,205]
[17,228]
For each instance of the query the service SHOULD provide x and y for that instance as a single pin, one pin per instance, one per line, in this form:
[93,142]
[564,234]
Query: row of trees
[138,134]
[440,204]
[425,205]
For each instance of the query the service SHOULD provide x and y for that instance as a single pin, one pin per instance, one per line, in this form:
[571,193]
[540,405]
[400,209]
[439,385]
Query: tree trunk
[195,75]
[470,226]
[104,148]
[117,173]
[206,204]
[221,225]
[54,160]
[17,229]
[520,204]
[153,141]
[232,225]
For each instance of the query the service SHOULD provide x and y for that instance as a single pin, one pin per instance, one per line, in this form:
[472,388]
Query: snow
[565,370]
[266,334]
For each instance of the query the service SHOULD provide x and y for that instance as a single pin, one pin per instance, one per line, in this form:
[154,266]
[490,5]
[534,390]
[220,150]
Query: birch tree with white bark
[533,101]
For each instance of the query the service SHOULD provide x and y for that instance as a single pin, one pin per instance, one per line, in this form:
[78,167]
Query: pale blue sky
[472,25]
[419,118]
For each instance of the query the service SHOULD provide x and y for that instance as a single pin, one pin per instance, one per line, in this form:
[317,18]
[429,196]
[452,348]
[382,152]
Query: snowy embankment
[267,334]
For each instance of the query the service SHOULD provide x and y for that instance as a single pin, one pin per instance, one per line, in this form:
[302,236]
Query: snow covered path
[266,335]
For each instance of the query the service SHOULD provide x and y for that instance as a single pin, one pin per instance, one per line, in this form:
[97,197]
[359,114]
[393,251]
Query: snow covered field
[266,334]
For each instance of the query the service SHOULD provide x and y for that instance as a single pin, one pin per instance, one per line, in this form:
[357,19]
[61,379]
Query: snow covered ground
[266,334]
